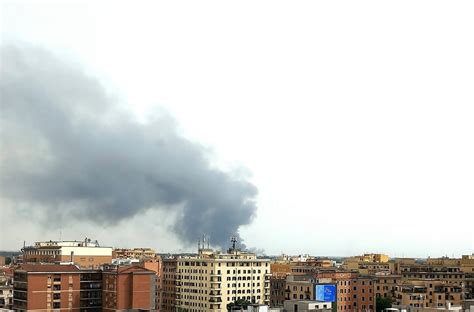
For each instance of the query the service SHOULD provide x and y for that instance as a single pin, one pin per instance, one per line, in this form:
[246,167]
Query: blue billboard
[325,292]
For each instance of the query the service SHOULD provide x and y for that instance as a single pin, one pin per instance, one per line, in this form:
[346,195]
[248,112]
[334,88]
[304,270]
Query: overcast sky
[354,120]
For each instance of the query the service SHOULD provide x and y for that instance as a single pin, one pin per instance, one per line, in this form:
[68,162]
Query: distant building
[86,254]
[370,257]
[133,253]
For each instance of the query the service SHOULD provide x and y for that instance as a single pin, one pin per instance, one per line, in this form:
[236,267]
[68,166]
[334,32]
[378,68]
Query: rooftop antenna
[208,242]
[233,240]
[60,233]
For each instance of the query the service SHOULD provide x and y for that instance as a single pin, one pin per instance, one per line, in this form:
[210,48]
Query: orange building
[155,265]
[128,287]
[354,292]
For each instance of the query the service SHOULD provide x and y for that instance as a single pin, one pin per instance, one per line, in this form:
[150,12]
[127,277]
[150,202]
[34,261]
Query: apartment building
[86,254]
[277,290]
[467,266]
[128,288]
[299,287]
[369,257]
[133,253]
[427,294]
[452,275]
[211,280]
[354,291]
[367,268]
[169,285]
[51,286]
[386,284]
[363,288]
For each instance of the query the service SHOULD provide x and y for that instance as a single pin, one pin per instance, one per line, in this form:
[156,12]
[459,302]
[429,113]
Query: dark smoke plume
[68,150]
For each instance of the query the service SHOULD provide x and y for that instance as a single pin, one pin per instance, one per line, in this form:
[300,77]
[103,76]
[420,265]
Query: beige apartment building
[87,254]
[211,280]
[427,294]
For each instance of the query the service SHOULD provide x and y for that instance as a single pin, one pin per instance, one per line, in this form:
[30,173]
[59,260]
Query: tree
[382,303]
[239,303]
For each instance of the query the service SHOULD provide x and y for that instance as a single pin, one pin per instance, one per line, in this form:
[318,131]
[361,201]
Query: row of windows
[348,283]
[42,252]
[231,264]
[348,307]
[443,276]
[353,297]
[345,290]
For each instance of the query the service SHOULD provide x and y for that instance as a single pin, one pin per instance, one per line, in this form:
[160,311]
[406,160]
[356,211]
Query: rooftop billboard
[325,292]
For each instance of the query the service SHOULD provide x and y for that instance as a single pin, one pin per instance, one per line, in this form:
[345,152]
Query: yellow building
[211,280]
[379,258]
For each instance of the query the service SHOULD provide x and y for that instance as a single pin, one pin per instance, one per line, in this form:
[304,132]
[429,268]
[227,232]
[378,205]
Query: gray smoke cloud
[68,150]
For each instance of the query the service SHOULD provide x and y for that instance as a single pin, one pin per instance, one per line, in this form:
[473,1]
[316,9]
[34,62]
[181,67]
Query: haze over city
[303,128]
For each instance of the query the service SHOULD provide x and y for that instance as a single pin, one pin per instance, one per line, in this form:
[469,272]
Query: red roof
[49,268]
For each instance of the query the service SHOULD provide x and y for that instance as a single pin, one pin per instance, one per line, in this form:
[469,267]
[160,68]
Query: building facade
[48,287]
[212,280]
[128,288]
[86,254]
[133,253]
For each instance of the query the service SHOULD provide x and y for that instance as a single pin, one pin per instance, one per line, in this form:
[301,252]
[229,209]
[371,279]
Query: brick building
[128,287]
[51,286]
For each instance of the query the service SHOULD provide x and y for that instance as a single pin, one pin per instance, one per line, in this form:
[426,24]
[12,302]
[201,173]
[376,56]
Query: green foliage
[8,260]
[239,303]
[382,303]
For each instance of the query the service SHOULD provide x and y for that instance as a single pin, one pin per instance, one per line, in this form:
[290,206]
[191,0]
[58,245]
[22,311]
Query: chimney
[72,257]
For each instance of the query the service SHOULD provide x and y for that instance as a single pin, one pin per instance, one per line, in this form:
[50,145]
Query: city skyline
[303,129]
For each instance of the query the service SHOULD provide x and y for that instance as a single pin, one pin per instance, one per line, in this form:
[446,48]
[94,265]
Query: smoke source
[68,150]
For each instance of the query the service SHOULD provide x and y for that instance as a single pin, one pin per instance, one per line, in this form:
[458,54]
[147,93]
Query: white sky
[355,118]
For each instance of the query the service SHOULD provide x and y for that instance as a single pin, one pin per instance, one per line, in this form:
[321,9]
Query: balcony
[215,293]
[215,300]
[215,287]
